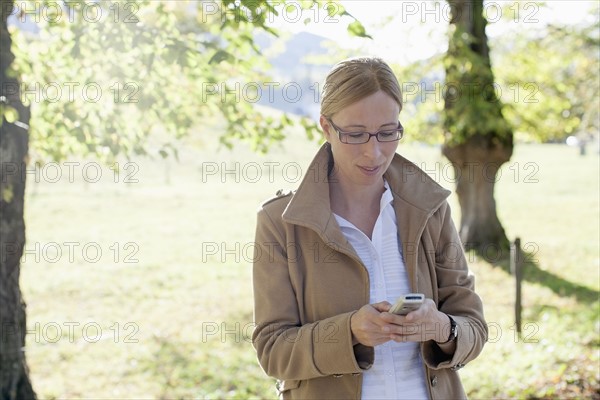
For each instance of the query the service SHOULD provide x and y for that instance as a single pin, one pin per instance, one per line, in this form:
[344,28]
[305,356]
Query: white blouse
[397,372]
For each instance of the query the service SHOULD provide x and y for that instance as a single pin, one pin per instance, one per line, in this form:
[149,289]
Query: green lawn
[155,298]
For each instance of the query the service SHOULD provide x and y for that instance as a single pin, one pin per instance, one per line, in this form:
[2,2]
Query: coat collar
[310,205]
[416,197]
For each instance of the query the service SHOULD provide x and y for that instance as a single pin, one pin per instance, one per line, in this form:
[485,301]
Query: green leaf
[7,193]
[10,113]
[220,56]
[357,29]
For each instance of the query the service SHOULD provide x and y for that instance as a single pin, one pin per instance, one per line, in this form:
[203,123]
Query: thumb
[382,306]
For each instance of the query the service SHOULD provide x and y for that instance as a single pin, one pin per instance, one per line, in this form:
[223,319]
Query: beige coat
[308,281]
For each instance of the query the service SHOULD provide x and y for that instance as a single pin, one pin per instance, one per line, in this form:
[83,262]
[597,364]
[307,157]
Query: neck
[349,199]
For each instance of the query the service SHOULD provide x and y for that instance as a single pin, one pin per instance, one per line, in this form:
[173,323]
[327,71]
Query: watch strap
[453,331]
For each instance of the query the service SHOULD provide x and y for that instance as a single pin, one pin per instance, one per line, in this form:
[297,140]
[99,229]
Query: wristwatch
[453,331]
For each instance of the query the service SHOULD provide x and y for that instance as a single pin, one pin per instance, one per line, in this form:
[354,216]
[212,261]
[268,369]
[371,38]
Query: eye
[388,133]
[356,135]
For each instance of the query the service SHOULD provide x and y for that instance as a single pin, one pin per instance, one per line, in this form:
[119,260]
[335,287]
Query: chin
[369,180]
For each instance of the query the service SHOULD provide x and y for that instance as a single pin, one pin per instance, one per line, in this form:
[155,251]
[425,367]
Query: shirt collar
[387,197]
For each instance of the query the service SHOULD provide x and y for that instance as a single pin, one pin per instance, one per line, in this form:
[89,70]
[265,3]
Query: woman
[364,227]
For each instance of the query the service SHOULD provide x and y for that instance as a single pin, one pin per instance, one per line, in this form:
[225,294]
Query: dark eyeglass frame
[343,135]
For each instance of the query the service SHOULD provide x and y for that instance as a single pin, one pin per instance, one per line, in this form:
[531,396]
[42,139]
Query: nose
[372,149]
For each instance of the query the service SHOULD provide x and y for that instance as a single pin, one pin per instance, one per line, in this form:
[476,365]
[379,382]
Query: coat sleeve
[456,297]
[286,348]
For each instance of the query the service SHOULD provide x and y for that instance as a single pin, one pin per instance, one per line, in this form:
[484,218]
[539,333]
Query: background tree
[478,138]
[106,79]
[543,101]
[551,100]
[14,141]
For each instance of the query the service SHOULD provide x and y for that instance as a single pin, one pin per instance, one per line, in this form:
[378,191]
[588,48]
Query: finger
[416,315]
[422,312]
[373,338]
[382,306]
[405,329]
[366,322]
[416,337]
[400,338]
[391,318]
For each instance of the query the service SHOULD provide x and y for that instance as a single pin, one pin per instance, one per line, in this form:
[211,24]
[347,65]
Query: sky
[405,31]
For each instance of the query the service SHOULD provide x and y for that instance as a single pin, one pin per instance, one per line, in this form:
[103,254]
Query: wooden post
[516,268]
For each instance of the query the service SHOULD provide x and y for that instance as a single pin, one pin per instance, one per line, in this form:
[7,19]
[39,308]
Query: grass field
[143,289]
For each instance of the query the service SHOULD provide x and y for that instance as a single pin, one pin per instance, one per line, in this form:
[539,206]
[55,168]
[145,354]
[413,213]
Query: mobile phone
[407,303]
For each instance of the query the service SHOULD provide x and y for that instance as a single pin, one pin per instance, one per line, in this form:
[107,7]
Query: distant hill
[297,48]
[298,82]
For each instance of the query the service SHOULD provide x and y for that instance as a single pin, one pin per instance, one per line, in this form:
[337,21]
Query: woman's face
[363,164]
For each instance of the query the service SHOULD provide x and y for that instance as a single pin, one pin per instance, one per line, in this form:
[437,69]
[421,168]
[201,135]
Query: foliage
[543,77]
[100,77]
[549,77]
[471,105]
[422,96]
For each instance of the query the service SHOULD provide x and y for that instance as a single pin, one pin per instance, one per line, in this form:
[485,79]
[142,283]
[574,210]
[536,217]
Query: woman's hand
[373,325]
[367,325]
[425,323]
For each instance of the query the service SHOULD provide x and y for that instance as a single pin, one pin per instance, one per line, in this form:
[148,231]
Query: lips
[369,170]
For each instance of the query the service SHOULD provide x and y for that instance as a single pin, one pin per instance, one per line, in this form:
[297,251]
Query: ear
[326,128]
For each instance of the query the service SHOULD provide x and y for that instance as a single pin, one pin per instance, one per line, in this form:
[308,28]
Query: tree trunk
[478,138]
[476,164]
[14,374]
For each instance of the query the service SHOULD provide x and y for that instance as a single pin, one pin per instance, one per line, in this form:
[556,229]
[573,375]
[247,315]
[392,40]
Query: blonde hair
[354,79]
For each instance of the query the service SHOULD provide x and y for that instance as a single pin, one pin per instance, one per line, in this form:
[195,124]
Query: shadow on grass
[534,274]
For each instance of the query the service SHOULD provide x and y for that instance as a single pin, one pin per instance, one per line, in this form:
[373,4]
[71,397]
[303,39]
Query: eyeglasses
[384,135]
